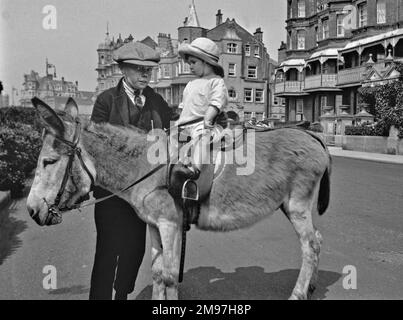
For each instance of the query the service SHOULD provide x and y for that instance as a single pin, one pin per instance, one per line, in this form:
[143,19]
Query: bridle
[54,210]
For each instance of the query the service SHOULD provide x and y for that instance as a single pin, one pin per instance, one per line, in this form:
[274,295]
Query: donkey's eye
[47,162]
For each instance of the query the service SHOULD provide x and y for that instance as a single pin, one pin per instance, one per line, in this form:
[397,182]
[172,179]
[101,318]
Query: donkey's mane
[129,141]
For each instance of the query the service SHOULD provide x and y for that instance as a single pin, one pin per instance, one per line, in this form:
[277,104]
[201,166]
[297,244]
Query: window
[232,47]
[312,7]
[259,96]
[300,106]
[325,28]
[289,40]
[232,94]
[340,25]
[301,8]
[257,51]
[381,11]
[275,102]
[166,73]
[362,15]
[232,70]
[252,72]
[247,50]
[316,34]
[301,39]
[248,95]
[323,103]
[186,67]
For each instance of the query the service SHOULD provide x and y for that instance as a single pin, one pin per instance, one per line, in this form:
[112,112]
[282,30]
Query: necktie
[137,99]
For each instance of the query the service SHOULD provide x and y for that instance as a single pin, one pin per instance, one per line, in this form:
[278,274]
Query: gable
[219,32]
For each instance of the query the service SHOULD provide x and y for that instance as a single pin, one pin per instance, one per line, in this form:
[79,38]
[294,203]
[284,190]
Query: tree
[387,103]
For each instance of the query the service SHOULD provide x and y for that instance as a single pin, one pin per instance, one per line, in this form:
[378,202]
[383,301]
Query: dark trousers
[120,248]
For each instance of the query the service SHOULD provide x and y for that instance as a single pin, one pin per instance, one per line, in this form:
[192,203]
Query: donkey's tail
[324,190]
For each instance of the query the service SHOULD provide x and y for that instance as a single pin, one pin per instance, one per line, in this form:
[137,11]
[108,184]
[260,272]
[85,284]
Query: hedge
[365,130]
[20,144]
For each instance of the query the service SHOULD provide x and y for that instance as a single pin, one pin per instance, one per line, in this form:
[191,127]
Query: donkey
[291,169]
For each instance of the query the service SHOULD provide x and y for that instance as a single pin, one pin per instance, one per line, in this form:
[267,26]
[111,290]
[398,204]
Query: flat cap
[137,53]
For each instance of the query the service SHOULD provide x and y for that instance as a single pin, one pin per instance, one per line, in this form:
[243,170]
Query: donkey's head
[64,172]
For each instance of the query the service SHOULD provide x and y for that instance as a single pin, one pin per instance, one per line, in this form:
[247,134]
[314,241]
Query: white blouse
[201,93]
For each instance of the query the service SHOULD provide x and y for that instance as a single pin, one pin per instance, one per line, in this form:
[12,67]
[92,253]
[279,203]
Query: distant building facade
[333,48]
[4,100]
[55,92]
[247,65]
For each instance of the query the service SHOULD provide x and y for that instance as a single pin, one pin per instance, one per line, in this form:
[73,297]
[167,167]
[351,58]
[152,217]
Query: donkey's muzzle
[54,216]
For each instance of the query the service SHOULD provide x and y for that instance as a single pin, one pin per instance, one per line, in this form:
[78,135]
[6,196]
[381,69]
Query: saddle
[190,188]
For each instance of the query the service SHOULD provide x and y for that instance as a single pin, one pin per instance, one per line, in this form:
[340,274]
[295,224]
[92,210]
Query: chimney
[77,84]
[163,40]
[63,79]
[218,17]
[259,34]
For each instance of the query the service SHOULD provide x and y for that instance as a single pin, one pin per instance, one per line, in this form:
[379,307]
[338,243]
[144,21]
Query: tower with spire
[191,28]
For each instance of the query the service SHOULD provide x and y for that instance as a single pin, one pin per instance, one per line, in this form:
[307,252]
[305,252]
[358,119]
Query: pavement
[377,157]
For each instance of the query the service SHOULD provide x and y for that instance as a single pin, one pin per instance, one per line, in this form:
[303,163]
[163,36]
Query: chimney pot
[218,17]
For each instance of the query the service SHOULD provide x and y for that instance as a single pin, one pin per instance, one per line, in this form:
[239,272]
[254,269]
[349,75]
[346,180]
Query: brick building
[54,92]
[333,48]
[247,65]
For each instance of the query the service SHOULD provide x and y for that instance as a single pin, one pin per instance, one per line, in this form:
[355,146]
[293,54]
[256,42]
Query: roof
[192,20]
[370,40]
[149,42]
[219,32]
[292,63]
[324,55]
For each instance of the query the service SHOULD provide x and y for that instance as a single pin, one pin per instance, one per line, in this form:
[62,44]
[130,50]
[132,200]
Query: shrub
[365,130]
[316,127]
[20,144]
[386,102]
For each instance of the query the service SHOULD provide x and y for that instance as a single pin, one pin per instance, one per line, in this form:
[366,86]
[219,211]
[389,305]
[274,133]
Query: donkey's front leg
[171,243]
[157,264]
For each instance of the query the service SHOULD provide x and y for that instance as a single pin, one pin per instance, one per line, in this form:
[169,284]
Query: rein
[54,209]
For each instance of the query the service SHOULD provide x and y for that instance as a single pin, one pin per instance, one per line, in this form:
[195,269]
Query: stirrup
[190,190]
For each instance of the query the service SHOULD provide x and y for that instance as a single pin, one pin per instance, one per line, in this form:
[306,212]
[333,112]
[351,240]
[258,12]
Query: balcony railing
[351,76]
[289,87]
[321,81]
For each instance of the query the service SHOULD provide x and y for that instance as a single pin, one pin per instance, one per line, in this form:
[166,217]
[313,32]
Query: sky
[71,43]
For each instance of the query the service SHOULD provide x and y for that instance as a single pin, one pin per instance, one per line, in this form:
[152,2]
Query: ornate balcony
[352,76]
[289,88]
[321,82]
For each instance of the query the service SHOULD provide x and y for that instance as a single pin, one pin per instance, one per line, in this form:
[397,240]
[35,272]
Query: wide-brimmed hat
[204,49]
[137,53]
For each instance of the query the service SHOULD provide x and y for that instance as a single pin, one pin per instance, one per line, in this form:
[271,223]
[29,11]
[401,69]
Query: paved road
[363,227]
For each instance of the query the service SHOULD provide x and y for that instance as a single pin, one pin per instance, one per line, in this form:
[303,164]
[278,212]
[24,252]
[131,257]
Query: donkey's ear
[48,117]
[71,108]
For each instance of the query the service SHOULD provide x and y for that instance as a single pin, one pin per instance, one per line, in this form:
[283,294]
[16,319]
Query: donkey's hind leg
[157,264]
[299,212]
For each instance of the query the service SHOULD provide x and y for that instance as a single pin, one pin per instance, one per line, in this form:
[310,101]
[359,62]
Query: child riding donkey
[203,98]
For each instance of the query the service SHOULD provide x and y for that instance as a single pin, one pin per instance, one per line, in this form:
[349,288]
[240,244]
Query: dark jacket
[112,106]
